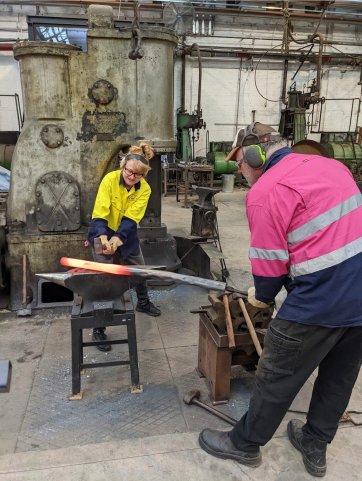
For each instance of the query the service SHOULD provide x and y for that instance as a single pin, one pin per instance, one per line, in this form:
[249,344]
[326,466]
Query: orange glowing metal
[96,266]
[146,273]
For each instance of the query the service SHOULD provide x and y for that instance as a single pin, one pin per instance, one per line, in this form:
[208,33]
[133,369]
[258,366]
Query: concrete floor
[112,434]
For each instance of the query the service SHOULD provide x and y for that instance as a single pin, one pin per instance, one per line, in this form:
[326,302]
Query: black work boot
[313,450]
[219,444]
[100,335]
[148,308]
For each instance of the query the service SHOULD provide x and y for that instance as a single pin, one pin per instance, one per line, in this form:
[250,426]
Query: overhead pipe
[199,9]
[189,50]
[7,47]
[183,83]
[319,63]
[236,52]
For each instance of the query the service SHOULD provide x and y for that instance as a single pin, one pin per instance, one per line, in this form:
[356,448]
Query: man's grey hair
[274,146]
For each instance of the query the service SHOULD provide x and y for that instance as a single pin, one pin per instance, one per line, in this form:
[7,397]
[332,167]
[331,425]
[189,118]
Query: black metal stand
[204,220]
[102,314]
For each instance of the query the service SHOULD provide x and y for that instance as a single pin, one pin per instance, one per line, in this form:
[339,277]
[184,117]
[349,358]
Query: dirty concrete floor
[113,434]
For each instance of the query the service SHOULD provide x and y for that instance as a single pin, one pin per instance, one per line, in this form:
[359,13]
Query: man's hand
[106,246]
[254,301]
[115,242]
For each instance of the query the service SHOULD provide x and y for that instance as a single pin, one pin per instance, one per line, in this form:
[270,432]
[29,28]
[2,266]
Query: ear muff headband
[136,157]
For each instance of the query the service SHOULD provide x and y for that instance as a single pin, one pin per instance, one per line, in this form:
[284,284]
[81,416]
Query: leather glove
[106,246]
[254,301]
[115,242]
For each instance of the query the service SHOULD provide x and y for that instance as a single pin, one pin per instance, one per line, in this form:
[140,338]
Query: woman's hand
[115,242]
[106,245]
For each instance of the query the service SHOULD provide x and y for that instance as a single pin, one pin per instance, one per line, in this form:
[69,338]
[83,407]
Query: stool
[169,173]
[102,314]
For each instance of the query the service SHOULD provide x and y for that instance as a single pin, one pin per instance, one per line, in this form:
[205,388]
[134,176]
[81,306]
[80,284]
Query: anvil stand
[103,314]
[99,301]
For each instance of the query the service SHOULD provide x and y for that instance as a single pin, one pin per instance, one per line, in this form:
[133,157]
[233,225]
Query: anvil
[90,285]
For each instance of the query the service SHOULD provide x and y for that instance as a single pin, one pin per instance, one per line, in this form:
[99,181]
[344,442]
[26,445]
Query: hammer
[193,397]
[98,246]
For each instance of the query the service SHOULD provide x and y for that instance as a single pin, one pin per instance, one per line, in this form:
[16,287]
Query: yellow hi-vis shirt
[114,201]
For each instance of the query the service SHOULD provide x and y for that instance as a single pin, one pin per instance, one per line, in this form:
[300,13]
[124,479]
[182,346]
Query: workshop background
[242,49]
[79,80]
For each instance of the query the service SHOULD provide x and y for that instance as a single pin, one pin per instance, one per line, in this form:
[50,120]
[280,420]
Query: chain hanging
[136,51]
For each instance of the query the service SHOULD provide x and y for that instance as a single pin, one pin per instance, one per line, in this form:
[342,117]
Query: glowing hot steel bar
[140,272]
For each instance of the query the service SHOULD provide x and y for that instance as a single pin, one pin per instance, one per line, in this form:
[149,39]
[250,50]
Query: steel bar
[215,412]
[140,272]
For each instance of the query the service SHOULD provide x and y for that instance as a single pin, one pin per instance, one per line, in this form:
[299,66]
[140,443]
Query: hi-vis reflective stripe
[268,254]
[325,219]
[327,260]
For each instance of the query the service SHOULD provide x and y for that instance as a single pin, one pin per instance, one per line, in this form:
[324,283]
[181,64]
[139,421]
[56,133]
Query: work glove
[106,246]
[254,301]
[115,242]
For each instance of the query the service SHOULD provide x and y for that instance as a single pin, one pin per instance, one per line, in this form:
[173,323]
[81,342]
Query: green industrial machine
[292,123]
[186,122]
[216,157]
[344,147]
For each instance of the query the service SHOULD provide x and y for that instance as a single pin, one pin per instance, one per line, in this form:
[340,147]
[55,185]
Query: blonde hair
[143,149]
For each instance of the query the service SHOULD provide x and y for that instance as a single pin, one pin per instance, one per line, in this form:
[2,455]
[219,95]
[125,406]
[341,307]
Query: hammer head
[97,244]
[190,396]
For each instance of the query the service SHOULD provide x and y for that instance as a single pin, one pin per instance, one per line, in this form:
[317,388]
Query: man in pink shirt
[305,219]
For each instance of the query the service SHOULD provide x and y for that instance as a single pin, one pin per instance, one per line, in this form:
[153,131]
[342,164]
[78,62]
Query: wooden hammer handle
[228,321]
[251,328]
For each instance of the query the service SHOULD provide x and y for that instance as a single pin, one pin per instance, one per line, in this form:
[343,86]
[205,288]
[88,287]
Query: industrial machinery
[292,123]
[80,109]
[344,147]
[188,131]
[187,123]
[216,157]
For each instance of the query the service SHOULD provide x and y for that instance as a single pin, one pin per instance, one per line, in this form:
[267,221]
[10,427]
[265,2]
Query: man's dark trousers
[291,353]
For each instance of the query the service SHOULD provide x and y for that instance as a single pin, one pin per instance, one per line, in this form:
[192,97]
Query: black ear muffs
[254,156]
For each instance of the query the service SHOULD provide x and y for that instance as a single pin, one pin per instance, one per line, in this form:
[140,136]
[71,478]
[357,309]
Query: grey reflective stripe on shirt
[327,260]
[268,254]
[325,219]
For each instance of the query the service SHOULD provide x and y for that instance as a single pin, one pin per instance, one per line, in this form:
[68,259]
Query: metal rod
[140,272]
[215,412]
